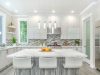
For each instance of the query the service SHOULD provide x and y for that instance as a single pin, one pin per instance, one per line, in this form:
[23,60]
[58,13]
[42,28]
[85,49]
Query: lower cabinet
[4,61]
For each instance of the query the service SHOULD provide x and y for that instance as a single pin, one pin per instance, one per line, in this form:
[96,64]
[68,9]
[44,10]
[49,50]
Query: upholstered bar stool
[72,65]
[48,64]
[22,63]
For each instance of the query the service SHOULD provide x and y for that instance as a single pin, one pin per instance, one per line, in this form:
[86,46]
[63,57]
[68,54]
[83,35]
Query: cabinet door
[34,32]
[3,59]
[70,32]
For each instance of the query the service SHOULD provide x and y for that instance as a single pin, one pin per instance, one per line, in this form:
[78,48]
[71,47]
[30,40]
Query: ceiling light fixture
[8,3]
[45,25]
[55,25]
[53,11]
[35,11]
[16,11]
[39,26]
[72,11]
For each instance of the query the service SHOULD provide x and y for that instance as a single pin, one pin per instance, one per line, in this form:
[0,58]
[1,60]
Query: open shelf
[10,32]
[12,27]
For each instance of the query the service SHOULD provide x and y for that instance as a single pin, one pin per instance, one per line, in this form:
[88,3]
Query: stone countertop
[54,53]
[9,47]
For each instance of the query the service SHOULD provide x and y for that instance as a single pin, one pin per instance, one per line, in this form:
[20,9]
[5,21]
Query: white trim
[22,19]
[88,7]
[5,10]
[92,43]
[3,27]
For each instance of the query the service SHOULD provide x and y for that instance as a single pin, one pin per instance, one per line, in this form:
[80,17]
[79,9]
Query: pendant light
[44,25]
[39,25]
[55,25]
[50,25]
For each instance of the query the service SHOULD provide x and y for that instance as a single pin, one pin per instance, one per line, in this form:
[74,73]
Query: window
[23,32]
[2,28]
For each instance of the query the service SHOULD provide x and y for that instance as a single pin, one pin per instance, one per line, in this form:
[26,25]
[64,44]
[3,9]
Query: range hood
[54,30]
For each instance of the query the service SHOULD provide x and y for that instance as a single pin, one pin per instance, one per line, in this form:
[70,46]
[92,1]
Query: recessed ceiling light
[8,3]
[35,11]
[53,11]
[16,11]
[72,11]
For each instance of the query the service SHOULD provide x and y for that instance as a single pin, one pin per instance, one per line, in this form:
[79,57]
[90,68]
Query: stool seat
[47,62]
[22,63]
[73,62]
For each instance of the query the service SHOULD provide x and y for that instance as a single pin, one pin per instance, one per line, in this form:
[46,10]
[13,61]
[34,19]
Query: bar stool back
[22,63]
[72,63]
[48,64]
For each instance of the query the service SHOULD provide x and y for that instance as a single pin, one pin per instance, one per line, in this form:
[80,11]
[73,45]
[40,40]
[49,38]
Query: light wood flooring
[85,70]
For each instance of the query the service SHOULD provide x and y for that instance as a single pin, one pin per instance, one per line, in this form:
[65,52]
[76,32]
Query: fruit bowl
[46,49]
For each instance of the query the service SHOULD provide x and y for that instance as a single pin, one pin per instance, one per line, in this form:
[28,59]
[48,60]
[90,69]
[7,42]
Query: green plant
[13,40]
[77,42]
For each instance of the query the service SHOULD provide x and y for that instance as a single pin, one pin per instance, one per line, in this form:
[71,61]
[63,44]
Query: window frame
[19,38]
[3,27]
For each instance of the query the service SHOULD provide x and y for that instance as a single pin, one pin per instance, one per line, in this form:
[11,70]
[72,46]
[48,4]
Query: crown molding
[2,9]
[88,7]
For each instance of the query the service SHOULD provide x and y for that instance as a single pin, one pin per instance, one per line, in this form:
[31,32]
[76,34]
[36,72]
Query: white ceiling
[45,6]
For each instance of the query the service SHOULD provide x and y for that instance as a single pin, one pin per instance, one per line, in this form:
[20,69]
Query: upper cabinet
[36,30]
[70,28]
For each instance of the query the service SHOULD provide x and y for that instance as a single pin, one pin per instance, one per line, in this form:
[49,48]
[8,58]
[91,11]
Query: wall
[61,19]
[8,20]
[33,19]
[93,9]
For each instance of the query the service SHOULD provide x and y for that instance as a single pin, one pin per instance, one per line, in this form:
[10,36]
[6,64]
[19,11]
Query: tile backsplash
[51,38]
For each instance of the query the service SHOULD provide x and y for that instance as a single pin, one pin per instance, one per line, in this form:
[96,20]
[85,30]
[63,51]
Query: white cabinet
[35,33]
[4,61]
[70,28]
[69,32]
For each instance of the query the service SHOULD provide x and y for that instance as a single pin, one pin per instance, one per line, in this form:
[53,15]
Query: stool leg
[64,71]
[54,71]
[77,71]
[29,72]
[14,71]
[69,70]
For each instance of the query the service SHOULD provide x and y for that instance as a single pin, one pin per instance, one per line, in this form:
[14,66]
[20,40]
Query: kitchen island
[60,54]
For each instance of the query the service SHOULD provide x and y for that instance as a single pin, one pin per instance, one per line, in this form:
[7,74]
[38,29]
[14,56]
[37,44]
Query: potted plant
[14,41]
[77,42]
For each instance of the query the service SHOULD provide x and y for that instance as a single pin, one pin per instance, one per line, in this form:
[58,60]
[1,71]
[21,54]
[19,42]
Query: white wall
[8,20]
[93,9]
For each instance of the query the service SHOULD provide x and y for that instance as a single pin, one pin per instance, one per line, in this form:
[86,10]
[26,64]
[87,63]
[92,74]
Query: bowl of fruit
[46,49]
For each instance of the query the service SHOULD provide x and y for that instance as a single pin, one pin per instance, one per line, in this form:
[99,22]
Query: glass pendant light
[45,25]
[39,25]
[55,25]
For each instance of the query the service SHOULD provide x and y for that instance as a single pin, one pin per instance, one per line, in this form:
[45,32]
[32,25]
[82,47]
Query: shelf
[10,32]
[12,27]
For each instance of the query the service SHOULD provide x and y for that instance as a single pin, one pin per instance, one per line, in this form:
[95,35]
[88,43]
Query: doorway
[88,40]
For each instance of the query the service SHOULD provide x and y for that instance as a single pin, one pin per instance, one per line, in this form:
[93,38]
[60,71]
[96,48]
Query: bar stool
[22,63]
[72,63]
[48,63]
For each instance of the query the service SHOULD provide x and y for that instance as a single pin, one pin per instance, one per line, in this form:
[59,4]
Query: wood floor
[85,70]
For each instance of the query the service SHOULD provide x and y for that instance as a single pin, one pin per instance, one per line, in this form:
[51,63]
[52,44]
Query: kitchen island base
[60,70]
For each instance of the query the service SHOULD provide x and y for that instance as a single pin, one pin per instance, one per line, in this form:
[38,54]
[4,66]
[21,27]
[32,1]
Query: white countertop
[54,53]
[8,47]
